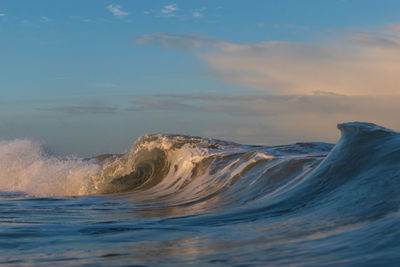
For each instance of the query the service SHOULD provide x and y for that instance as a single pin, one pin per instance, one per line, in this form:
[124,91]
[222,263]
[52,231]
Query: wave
[359,180]
[156,165]
[185,170]
[361,170]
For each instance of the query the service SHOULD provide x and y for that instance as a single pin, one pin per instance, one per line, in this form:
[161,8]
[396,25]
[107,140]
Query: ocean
[176,200]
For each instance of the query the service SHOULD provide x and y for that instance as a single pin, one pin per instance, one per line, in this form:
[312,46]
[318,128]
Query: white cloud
[368,67]
[309,87]
[170,9]
[2,15]
[358,63]
[116,10]
[44,19]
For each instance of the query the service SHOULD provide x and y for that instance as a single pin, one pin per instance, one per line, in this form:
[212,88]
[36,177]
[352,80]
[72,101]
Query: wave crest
[182,169]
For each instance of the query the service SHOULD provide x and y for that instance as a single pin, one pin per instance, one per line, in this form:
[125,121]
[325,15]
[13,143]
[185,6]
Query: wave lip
[363,128]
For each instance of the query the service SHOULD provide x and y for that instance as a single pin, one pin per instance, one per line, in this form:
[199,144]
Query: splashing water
[26,166]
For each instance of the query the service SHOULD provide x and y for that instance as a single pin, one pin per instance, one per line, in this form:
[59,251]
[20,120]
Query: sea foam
[26,166]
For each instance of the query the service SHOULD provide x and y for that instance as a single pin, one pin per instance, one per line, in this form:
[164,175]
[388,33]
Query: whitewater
[184,200]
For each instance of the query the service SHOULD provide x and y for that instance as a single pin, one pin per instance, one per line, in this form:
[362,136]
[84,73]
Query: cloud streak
[170,9]
[358,63]
[305,88]
[91,108]
[295,117]
[117,11]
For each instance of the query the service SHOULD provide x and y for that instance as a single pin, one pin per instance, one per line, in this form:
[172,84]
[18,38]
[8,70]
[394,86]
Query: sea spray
[27,166]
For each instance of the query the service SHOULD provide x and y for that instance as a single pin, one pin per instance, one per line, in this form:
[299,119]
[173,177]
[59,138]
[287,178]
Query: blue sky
[89,77]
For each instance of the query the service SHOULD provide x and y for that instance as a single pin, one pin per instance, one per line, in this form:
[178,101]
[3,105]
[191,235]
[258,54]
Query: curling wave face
[205,174]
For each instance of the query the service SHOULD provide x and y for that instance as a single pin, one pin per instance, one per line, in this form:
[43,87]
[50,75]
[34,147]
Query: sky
[89,77]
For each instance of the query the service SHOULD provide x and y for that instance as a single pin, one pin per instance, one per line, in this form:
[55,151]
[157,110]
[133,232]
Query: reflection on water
[107,230]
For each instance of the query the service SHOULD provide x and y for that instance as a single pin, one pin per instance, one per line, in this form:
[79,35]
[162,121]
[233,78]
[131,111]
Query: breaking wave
[302,204]
[363,167]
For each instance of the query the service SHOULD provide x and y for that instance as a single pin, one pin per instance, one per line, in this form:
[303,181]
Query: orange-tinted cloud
[357,63]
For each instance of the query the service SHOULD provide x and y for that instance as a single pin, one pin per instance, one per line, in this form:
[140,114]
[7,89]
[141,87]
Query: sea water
[183,200]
